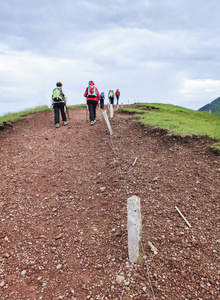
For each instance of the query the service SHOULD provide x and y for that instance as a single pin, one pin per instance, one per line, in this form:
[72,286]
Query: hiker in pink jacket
[93,96]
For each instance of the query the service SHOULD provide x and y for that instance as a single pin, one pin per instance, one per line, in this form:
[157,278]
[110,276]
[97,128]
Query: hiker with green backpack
[111,97]
[59,103]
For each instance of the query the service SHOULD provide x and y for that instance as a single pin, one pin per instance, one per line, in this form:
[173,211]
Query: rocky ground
[63,202]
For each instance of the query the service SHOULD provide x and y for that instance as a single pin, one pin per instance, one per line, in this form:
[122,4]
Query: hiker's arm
[65,98]
[98,95]
[85,94]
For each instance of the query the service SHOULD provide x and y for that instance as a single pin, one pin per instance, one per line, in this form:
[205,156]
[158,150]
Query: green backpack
[111,94]
[57,95]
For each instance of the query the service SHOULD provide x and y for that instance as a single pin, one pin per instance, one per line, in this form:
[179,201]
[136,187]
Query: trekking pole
[100,113]
[67,112]
[86,113]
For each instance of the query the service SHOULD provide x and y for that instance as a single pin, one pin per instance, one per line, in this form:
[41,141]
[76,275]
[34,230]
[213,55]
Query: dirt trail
[63,211]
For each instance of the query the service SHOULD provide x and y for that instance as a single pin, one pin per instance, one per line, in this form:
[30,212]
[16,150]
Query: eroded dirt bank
[63,211]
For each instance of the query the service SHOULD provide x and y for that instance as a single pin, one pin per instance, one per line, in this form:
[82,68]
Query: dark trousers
[92,109]
[117,97]
[111,99]
[59,107]
[102,102]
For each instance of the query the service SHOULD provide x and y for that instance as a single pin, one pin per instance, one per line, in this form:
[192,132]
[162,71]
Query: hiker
[92,96]
[59,102]
[117,94]
[102,99]
[111,97]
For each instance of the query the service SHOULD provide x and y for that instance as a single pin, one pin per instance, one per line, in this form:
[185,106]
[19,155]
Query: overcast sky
[163,51]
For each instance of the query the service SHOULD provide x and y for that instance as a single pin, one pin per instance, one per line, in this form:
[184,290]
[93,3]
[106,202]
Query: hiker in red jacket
[93,96]
[117,94]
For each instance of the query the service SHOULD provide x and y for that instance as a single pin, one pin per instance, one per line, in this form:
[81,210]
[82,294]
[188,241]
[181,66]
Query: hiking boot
[65,123]
[92,123]
[57,125]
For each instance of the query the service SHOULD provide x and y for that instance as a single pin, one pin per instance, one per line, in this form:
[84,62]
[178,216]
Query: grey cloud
[43,26]
[155,45]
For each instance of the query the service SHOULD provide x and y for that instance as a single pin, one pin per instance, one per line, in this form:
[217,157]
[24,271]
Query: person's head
[59,84]
[91,82]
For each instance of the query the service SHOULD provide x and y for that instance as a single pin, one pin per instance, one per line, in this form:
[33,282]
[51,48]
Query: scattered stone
[2,283]
[173,239]
[6,255]
[59,236]
[120,278]
[23,272]
[94,230]
[59,266]
[118,232]
[84,286]
[152,248]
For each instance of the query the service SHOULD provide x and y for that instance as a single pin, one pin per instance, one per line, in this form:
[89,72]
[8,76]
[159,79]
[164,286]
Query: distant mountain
[214,106]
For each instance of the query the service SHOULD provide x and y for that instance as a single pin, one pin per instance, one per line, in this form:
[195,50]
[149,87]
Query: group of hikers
[92,95]
[111,97]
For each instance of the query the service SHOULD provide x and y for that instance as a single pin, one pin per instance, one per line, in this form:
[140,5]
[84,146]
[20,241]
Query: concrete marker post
[134,227]
[107,122]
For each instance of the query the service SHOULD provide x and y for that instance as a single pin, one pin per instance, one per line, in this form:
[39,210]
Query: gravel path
[63,211]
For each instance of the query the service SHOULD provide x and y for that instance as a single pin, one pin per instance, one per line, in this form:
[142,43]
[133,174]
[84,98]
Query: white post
[121,105]
[111,111]
[107,122]
[210,111]
[134,227]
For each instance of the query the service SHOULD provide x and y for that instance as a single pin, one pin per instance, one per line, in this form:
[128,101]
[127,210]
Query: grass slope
[177,120]
[16,116]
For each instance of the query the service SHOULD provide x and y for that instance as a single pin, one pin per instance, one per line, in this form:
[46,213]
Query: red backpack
[117,93]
